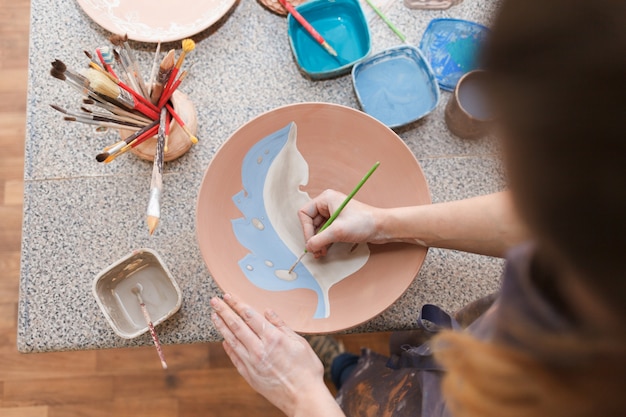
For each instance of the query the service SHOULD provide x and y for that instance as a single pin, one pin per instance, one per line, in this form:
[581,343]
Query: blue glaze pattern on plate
[452,47]
[342,24]
[396,86]
[254,231]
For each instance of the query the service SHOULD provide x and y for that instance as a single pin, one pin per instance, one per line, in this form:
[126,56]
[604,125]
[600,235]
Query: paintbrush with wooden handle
[156,184]
[130,62]
[161,79]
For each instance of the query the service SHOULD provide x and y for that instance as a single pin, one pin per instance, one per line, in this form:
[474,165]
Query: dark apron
[403,385]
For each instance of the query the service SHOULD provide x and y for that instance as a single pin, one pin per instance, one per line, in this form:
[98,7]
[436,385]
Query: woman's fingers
[239,351]
[275,319]
[236,360]
[231,324]
[308,223]
[320,243]
[277,322]
[315,213]
[253,319]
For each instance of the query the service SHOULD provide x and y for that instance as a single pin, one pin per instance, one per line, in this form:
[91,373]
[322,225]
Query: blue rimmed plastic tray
[452,47]
[396,86]
[342,24]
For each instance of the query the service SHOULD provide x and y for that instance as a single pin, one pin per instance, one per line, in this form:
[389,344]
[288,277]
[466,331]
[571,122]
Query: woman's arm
[273,359]
[486,225]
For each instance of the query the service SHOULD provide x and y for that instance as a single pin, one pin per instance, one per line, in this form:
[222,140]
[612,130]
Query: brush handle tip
[329,48]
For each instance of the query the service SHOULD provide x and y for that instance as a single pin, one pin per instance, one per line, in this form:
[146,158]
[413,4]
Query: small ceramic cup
[467,112]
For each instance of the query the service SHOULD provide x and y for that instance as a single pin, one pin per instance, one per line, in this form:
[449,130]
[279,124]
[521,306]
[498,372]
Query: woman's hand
[487,225]
[273,359]
[357,222]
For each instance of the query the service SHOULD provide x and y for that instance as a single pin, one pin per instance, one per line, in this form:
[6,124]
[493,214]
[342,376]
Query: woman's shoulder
[528,300]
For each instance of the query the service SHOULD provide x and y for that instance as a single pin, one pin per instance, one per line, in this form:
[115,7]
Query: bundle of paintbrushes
[121,98]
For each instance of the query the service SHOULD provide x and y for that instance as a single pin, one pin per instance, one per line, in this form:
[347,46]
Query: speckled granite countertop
[81,216]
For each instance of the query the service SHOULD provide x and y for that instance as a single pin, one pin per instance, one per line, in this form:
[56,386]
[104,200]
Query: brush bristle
[101,83]
[88,54]
[153,222]
[88,101]
[101,157]
[107,55]
[57,74]
[188,45]
[85,109]
[116,39]
[69,118]
[57,108]
[59,65]
[116,55]
[169,60]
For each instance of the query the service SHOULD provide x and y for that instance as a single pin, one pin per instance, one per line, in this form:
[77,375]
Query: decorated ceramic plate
[247,224]
[155,20]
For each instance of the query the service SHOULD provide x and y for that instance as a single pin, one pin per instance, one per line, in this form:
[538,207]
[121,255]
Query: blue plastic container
[342,24]
[452,46]
[396,86]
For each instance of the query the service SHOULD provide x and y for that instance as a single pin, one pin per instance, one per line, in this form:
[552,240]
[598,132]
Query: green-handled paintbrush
[337,212]
[387,21]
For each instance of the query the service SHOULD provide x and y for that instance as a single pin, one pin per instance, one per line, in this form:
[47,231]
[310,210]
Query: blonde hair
[572,377]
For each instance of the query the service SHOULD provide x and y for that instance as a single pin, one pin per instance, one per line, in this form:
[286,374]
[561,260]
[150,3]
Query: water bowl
[113,290]
[452,47]
[396,86]
[342,24]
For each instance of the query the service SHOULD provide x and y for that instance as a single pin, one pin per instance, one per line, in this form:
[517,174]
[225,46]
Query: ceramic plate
[452,47]
[340,145]
[155,20]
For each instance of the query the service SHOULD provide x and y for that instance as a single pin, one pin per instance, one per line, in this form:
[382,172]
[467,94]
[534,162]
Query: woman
[554,344]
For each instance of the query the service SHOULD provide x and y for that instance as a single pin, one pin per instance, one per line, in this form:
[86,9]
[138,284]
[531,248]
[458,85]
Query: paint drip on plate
[273,171]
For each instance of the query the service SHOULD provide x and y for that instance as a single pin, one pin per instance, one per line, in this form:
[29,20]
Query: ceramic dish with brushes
[115,290]
[452,46]
[150,21]
[396,86]
[344,27]
[339,145]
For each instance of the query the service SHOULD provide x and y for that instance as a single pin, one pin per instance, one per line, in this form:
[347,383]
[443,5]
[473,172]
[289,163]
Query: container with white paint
[113,287]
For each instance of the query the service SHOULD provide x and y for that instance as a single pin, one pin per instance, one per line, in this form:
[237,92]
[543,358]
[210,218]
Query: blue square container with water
[342,24]
[396,86]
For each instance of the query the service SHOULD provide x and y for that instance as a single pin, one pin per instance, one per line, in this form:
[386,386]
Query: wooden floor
[122,382]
